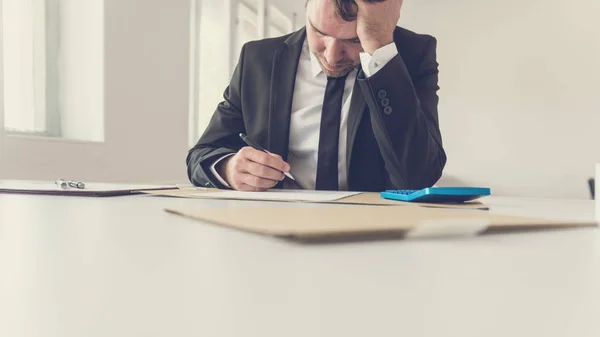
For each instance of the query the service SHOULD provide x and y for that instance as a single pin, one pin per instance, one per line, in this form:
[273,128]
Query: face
[331,39]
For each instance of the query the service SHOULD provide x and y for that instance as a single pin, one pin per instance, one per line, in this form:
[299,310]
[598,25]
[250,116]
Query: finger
[286,166]
[270,160]
[274,155]
[244,165]
[257,182]
[263,171]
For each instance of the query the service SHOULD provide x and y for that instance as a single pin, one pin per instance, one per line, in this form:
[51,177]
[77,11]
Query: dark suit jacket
[394,139]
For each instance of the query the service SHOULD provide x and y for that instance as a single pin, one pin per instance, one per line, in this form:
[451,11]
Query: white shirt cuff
[383,55]
[214,172]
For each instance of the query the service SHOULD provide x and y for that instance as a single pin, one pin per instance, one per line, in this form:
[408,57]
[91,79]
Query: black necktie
[329,134]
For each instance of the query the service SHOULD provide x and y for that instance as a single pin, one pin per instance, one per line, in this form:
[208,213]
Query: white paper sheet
[279,195]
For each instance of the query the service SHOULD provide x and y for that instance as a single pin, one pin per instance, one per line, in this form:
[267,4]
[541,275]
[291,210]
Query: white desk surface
[87,267]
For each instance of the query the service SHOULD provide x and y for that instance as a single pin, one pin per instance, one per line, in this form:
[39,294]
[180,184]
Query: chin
[337,73]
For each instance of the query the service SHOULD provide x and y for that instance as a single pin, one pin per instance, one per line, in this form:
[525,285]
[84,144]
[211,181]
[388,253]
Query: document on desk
[347,198]
[278,195]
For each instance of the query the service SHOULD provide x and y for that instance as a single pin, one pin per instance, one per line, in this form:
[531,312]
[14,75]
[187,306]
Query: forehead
[321,14]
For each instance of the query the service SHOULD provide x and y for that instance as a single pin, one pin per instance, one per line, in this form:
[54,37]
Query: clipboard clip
[70,184]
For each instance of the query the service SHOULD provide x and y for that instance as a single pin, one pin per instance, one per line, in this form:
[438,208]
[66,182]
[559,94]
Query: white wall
[519,82]
[146,103]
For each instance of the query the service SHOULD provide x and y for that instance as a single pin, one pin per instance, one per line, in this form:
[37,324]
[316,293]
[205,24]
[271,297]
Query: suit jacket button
[382,94]
[385,102]
[387,110]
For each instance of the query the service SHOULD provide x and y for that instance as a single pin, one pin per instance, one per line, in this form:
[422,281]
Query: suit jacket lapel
[283,80]
[358,105]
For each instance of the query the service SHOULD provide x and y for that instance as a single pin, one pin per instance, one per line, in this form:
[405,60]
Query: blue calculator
[438,194]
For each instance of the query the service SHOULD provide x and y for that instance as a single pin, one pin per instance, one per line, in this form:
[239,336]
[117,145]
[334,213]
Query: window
[279,23]
[210,60]
[219,31]
[53,72]
[24,66]
[247,27]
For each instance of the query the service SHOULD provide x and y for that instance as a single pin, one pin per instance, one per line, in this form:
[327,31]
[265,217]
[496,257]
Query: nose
[334,52]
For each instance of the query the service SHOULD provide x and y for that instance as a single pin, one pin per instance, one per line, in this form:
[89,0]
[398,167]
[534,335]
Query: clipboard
[360,223]
[91,189]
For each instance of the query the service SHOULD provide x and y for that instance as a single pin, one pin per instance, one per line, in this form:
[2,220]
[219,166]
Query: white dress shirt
[305,121]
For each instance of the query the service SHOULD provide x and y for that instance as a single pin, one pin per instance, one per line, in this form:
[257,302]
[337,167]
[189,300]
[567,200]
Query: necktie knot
[341,78]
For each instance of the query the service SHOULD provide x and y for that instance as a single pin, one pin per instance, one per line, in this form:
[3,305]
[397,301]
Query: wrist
[370,46]
[222,170]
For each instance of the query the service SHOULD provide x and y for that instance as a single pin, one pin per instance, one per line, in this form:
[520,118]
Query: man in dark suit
[347,103]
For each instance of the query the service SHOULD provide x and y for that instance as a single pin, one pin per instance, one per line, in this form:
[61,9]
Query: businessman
[349,102]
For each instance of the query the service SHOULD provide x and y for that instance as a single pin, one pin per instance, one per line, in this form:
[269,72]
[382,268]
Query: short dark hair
[347,9]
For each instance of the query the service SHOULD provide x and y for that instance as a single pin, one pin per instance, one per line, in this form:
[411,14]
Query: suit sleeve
[405,123]
[221,137]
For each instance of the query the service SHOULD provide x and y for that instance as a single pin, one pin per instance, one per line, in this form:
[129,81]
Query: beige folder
[333,223]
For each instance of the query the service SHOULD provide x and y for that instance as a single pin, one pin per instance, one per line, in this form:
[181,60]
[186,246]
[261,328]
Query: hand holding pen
[253,168]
